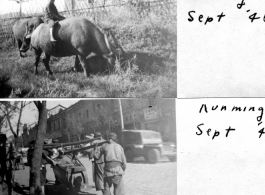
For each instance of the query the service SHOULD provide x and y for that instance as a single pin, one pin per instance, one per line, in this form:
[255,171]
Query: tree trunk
[16,141]
[35,188]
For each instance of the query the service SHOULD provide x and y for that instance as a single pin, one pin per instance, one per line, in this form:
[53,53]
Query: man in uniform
[8,155]
[115,165]
[51,15]
[98,165]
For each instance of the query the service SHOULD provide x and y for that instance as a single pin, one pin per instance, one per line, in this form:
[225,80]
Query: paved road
[140,179]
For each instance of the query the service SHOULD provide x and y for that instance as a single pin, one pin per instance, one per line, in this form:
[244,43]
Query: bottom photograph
[88,146]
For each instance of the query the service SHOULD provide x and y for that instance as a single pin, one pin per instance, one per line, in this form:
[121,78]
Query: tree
[74,126]
[2,121]
[104,122]
[35,188]
[167,108]
[9,110]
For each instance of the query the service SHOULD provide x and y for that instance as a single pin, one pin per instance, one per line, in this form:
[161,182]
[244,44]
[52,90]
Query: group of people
[109,165]
[7,160]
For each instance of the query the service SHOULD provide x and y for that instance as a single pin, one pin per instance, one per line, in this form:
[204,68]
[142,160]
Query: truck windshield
[151,137]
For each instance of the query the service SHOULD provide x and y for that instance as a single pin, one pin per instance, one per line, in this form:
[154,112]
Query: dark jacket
[51,13]
[8,155]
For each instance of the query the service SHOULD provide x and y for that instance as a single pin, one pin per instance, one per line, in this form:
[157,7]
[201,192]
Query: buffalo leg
[37,59]
[19,44]
[84,64]
[46,61]
[77,67]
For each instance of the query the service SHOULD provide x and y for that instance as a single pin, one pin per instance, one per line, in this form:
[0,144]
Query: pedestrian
[55,154]
[115,165]
[56,151]
[52,15]
[44,160]
[90,154]
[7,160]
[98,165]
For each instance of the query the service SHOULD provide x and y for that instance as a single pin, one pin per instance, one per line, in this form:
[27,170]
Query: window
[59,126]
[87,114]
[133,138]
[53,126]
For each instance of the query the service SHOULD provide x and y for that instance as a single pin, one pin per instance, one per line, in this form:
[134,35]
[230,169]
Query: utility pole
[20,6]
[20,9]
[122,123]
[121,114]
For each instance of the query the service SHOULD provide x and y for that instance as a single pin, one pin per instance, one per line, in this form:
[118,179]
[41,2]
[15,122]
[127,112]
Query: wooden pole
[121,114]
[20,9]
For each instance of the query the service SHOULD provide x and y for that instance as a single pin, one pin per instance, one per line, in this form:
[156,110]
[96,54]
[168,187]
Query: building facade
[88,116]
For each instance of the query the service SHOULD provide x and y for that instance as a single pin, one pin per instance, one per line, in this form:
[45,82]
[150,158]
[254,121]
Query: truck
[147,144]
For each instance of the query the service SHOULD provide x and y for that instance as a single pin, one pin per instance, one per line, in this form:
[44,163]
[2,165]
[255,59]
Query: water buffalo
[24,26]
[75,36]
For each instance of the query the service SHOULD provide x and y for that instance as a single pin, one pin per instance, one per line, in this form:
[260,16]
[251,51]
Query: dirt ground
[140,178]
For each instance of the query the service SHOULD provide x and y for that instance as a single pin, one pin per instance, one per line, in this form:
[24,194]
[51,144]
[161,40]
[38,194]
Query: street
[140,178]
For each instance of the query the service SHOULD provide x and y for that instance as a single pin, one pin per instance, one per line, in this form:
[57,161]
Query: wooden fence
[141,8]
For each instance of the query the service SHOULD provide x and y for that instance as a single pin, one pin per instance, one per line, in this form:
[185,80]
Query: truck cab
[144,143]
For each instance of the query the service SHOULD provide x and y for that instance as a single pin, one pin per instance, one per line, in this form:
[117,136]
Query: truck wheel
[129,155]
[153,156]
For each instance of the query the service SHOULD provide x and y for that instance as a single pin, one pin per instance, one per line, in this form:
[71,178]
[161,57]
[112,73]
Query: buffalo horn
[118,47]
[108,44]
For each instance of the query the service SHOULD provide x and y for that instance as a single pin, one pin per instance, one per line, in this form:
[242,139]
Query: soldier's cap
[3,137]
[113,136]
[55,141]
[97,134]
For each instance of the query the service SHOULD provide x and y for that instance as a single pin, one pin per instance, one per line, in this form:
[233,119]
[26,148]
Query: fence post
[73,6]
[20,8]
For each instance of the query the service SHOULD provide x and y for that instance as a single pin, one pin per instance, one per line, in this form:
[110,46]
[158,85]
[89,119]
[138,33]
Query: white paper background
[225,59]
[232,165]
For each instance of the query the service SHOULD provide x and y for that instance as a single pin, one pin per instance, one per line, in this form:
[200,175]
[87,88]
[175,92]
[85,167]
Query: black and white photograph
[88,48]
[88,146]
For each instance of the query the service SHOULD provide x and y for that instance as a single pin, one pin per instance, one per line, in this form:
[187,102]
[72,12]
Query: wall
[88,116]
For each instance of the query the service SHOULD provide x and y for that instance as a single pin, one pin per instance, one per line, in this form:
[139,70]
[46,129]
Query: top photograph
[88,48]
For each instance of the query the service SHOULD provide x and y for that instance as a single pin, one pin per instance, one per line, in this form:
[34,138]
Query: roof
[56,107]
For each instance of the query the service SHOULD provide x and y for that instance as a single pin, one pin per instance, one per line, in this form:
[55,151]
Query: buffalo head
[116,51]
[26,39]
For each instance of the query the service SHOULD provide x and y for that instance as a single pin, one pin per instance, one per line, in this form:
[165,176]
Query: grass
[150,69]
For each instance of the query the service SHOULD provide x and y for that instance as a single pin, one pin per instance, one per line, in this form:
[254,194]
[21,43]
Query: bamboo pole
[51,146]
[85,148]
